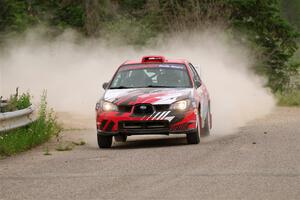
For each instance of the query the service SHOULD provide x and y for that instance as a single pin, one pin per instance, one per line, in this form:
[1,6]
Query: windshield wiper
[160,86]
[120,87]
[148,86]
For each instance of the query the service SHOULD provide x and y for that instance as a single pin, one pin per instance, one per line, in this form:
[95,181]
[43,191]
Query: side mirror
[198,83]
[105,85]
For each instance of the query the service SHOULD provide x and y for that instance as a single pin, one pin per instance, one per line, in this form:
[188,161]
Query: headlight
[108,106]
[180,105]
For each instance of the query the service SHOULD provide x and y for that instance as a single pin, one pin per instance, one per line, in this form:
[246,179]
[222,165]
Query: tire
[104,141]
[205,131]
[194,137]
[121,138]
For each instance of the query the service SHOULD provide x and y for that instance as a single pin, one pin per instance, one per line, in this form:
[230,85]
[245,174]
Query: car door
[201,91]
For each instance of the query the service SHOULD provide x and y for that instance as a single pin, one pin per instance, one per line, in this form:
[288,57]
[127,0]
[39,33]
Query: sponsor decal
[171,66]
[147,66]
[160,116]
[170,118]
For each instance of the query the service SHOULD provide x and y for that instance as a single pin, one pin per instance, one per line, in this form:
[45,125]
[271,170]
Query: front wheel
[205,131]
[194,137]
[104,141]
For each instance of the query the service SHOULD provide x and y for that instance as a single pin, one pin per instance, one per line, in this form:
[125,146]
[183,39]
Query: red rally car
[153,96]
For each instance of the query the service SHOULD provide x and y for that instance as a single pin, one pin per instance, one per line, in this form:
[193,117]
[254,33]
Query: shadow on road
[151,143]
[144,142]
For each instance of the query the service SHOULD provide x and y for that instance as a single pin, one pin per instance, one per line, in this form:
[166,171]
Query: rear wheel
[194,137]
[104,141]
[121,138]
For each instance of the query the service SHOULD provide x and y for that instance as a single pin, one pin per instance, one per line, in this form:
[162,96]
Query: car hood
[147,95]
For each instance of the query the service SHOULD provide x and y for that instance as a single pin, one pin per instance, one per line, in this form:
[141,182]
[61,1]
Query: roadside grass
[18,102]
[38,132]
[289,99]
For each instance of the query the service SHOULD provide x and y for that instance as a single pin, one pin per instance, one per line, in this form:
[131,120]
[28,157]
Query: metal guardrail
[16,119]
[3,104]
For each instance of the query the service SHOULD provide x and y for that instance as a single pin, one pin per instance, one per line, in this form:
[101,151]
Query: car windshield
[151,75]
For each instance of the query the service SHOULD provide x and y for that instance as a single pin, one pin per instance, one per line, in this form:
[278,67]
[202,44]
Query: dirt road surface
[260,161]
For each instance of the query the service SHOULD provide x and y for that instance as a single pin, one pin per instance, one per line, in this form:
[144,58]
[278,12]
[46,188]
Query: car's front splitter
[146,132]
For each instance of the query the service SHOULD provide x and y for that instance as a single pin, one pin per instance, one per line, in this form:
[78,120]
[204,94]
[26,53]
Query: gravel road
[259,161]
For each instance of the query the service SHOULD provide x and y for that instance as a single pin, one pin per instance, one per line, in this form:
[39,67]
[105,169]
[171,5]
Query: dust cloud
[72,71]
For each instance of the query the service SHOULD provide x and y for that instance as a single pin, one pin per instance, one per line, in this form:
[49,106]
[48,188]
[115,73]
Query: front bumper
[115,123]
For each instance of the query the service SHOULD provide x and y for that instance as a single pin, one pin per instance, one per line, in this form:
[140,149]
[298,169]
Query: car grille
[160,108]
[138,111]
[142,125]
[143,109]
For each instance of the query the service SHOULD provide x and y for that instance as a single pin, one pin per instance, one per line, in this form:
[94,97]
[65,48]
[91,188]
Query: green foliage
[25,138]
[291,98]
[138,21]
[18,102]
[132,5]
[129,30]
[18,15]
[180,15]
[14,15]
[276,39]
[291,11]
[70,15]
